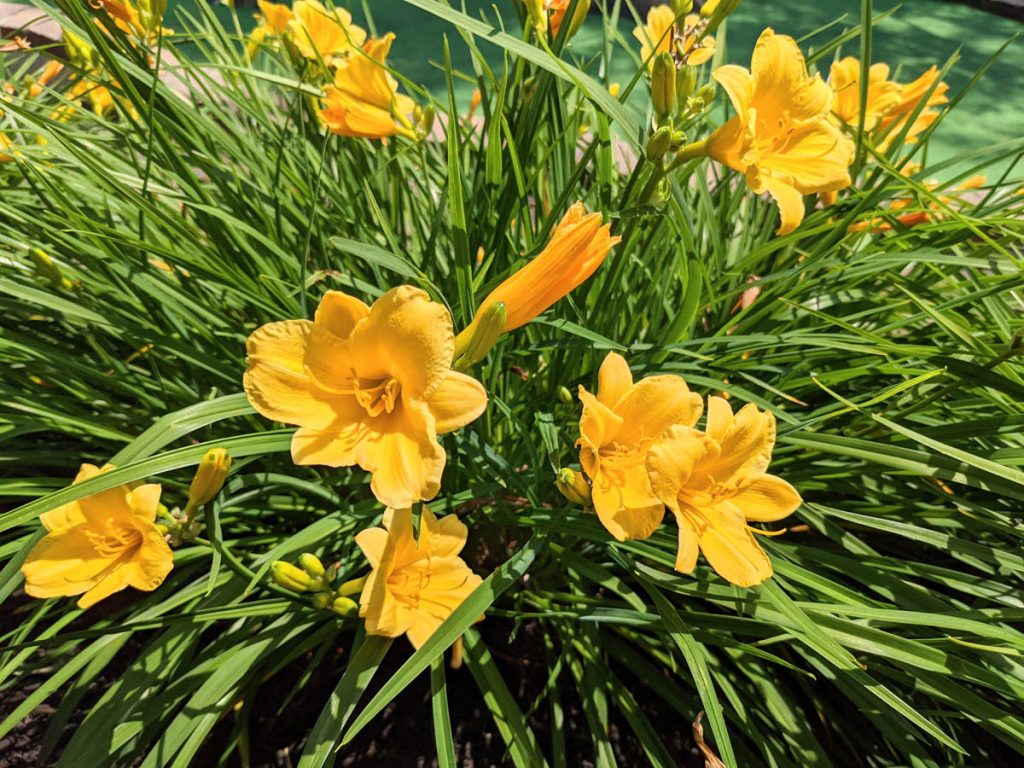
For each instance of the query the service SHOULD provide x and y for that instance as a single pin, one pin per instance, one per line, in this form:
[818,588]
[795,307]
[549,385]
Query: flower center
[377,398]
[114,541]
[408,585]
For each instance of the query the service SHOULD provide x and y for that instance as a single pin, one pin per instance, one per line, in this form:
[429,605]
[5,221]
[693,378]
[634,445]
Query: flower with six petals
[714,482]
[883,93]
[684,42]
[371,386]
[781,137]
[99,545]
[617,429]
[323,35]
[414,585]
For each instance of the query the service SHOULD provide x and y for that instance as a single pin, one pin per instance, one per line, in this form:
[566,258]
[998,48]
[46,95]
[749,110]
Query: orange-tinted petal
[458,401]
[767,499]
[338,313]
[614,379]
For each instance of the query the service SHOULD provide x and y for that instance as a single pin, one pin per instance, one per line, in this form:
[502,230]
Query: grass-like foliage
[167,194]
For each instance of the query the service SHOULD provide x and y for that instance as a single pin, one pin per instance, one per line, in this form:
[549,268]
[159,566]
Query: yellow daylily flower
[576,249]
[715,482]
[617,429]
[556,10]
[99,545]
[662,34]
[883,93]
[368,386]
[276,17]
[910,95]
[363,101]
[324,35]
[781,137]
[414,585]
[6,143]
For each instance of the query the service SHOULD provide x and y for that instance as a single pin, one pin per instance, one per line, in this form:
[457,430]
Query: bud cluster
[311,577]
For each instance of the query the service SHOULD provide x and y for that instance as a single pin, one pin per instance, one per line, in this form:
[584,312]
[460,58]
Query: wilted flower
[414,585]
[781,137]
[363,100]
[715,482]
[99,545]
[617,429]
[371,386]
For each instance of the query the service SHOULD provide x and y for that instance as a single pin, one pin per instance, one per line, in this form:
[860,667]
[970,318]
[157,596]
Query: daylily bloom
[557,10]
[363,100]
[323,35]
[617,429]
[99,545]
[910,95]
[371,386]
[883,93]
[414,586]
[781,137]
[576,249]
[715,482]
[276,17]
[684,42]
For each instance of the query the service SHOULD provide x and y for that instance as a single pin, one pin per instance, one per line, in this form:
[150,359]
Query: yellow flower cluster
[639,447]
[362,100]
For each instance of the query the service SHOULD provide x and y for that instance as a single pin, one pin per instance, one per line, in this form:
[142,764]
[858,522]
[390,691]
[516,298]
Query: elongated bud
[288,576]
[210,477]
[663,85]
[344,606]
[311,564]
[681,7]
[573,486]
[352,587]
[529,89]
[423,117]
[686,81]
[47,268]
[717,11]
[659,144]
[481,335]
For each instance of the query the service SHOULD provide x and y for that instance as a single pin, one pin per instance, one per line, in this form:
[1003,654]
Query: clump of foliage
[174,187]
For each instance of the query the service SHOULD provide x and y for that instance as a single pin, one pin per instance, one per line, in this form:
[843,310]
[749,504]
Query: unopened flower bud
[473,344]
[717,11]
[704,96]
[288,576]
[578,17]
[311,564]
[344,606]
[686,81]
[659,144]
[321,600]
[352,587]
[564,394]
[210,476]
[47,268]
[529,89]
[681,7]
[663,85]
[573,486]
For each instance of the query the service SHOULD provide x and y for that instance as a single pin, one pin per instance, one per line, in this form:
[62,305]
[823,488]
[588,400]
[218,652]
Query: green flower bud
[717,11]
[321,600]
[681,7]
[344,606]
[663,85]
[564,394]
[686,81]
[481,335]
[311,564]
[659,144]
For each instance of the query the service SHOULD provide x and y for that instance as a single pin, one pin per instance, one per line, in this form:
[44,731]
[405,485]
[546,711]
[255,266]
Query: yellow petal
[97,507]
[790,202]
[112,581]
[598,423]
[613,379]
[441,538]
[726,144]
[151,562]
[145,500]
[737,84]
[71,514]
[622,522]
[459,400]
[730,547]
[767,499]
[451,582]
[671,462]
[338,313]
[64,563]
[688,547]
[403,455]
[653,405]
[813,158]
[783,88]
[337,447]
[745,448]
[277,383]
[372,541]
[408,337]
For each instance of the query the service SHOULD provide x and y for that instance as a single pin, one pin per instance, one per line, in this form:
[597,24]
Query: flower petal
[338,313]
[336,447]
[738,84]
[372,541]
[441,538]
[671,462]
[112,581]
[745,448]
[277,382]
[790,202]
[145,500]
[63,563]
[767,499]
[152,561]
[408,337]
[731,549]
[459,400]
[598,423]
[622,522]
[688,548]
[653,405]
[614,379]
[403,455]
[782,87]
